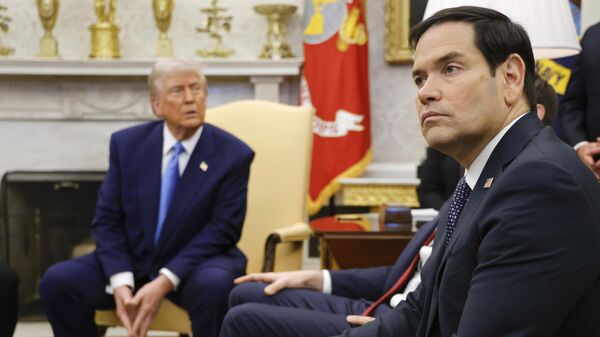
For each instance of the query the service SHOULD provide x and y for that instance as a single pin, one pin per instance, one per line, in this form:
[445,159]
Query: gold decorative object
[397,25]
[48,11]
[214,23]
[105,33]
[4,20]
[377,194]
[162,14]
[276,46]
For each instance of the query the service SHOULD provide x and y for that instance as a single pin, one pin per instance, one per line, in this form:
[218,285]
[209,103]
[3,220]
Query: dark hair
[496,36]
[546,96]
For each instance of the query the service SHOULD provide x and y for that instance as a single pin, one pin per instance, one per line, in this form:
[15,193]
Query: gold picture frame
[397,25]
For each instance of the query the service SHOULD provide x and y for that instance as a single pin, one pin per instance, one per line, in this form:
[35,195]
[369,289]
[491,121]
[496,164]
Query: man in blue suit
[517,253]
[168,217]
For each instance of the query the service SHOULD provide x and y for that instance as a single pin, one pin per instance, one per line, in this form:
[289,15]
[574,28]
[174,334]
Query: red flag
[336,74]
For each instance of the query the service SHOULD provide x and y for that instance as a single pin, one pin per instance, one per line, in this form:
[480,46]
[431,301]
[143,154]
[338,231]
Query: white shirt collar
[474,171]
[189,144]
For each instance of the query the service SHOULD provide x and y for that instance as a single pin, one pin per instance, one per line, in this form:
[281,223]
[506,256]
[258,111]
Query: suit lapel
[190,184]
[511,144]
[507,149]
[150,175]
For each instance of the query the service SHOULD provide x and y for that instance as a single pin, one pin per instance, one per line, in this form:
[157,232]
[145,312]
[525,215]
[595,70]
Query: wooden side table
[360,249]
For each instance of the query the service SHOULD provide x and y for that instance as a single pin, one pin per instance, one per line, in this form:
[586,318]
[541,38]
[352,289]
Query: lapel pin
[488,183]
[203,166]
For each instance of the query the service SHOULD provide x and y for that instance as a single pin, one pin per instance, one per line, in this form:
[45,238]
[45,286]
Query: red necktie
[400,282]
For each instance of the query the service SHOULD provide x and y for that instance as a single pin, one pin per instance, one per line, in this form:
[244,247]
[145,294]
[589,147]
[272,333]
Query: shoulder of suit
[226,139]
[138,131]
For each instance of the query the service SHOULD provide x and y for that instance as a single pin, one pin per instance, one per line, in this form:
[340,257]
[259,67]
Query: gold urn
[48,12]
[163,10]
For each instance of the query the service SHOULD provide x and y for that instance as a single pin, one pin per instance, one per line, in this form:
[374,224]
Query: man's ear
[514,79]
[155,106]
[541,111]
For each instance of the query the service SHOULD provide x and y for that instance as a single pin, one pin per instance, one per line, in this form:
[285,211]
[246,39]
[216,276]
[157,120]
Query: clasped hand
[136,312]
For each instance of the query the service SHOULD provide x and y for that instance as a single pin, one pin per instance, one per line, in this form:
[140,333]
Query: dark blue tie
[459,199]
[167,187]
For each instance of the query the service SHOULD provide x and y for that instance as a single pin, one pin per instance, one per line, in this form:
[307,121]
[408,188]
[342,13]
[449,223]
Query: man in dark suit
[439,173]
[580,108]
[9,288]
[168,217]
[318,303]
[518,250]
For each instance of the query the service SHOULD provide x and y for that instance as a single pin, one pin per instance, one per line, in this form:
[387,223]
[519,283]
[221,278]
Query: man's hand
[147,301]
[358,319]
[586,153]
[308,279]
[125,310]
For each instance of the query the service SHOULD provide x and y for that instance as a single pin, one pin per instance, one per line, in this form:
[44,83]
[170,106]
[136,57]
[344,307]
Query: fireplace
[44,216]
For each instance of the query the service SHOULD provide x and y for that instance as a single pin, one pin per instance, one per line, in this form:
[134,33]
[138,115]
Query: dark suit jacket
[439,174]
[206,214]
[525,254]
[579,111]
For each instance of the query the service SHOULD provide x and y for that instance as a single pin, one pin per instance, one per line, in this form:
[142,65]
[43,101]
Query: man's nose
[429,91]
[189,95]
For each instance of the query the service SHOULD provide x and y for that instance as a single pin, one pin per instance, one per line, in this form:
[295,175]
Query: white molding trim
[141,67]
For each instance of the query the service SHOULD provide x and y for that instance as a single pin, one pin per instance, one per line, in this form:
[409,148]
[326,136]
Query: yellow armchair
[275,225]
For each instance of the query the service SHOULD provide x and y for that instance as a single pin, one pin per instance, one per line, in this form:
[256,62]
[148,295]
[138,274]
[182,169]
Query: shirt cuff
[120,279]
[326,281]
[171,276]
[580,144]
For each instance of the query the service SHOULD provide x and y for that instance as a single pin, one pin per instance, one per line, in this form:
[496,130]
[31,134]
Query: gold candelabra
[105,33]
[48,11]
[276,46]
[213,24]
[163,10]
[4,20]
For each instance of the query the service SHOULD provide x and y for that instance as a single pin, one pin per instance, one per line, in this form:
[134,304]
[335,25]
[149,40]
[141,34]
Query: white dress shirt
[126,277]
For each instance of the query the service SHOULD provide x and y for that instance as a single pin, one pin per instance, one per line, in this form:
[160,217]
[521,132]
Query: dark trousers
[72,290]
[289,313]
[9,287]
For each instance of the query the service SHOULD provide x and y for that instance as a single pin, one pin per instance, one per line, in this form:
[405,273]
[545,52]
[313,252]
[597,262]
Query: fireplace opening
[44,216]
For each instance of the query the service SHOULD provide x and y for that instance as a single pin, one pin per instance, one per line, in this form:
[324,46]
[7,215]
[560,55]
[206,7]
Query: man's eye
[451,69]
[419,81]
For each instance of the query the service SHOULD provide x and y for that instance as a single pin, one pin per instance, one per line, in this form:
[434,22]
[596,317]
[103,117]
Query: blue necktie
[459,199]
[167,187]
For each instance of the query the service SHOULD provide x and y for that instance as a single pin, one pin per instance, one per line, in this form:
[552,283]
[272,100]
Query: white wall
[590,13]
[396,135]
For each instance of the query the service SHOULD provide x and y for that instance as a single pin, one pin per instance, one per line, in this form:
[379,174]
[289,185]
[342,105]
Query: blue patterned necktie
[459,199]
[167,187]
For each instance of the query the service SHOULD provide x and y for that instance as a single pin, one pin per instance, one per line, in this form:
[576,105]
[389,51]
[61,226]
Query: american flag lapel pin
[488,183]
[203,166]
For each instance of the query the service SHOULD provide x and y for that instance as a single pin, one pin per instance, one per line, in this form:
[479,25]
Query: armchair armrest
[295,233]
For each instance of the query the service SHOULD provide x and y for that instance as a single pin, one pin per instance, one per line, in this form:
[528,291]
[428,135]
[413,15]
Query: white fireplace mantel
[141,67]
[42,89]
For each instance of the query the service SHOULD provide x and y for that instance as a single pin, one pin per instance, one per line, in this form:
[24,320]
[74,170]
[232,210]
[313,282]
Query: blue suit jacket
[524,259]
[206,214]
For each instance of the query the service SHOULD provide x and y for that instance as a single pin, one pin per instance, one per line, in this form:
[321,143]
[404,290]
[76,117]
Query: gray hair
[165,66]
